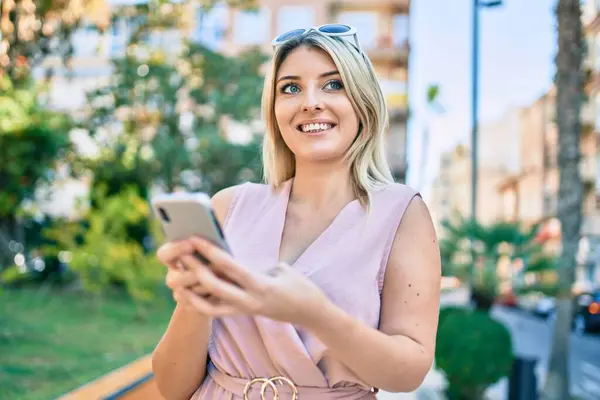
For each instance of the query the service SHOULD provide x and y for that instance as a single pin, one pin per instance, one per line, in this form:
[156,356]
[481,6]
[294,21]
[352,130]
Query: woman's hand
[183,281]
[281,294]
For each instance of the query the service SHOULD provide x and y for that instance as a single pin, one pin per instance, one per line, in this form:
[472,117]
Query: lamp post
[477,4]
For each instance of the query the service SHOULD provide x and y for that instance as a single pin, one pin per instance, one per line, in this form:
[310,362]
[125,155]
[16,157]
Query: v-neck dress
[347,261]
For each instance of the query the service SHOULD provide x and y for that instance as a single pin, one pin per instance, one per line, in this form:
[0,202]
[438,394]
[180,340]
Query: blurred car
[544,307]
[586,313]
[507,300]
[536,303]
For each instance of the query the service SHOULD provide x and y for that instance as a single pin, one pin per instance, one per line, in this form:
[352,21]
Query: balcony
[388,53]
[394,6]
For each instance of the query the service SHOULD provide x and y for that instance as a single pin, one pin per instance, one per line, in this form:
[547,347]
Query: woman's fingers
[223,264]
[170,252]
[222,289]
[210,307]
[178,279]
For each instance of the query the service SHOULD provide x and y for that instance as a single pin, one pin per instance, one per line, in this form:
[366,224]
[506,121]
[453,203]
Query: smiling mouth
[315,128]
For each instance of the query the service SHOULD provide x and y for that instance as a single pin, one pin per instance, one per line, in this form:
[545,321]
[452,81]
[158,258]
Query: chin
[319,155]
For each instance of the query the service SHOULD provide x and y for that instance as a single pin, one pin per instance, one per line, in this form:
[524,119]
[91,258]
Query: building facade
[383,31]
[498,158]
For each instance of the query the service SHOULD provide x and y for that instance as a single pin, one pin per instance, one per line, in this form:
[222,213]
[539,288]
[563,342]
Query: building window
[365,22]
[400,30]
[211,26]
[119,35]
[252,27]
[86,42]
[294,17]
[168,40]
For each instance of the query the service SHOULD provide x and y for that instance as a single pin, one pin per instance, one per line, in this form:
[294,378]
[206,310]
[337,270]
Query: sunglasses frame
[351,32]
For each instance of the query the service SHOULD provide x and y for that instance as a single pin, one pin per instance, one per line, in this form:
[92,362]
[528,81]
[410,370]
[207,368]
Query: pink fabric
[347,261]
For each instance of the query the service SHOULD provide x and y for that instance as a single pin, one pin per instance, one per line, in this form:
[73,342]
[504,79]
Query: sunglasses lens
[334,28]
[288,35]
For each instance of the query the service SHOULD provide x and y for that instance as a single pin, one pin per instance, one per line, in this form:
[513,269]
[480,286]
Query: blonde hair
[366,156]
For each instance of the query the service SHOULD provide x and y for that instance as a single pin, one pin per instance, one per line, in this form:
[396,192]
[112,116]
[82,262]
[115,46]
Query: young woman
[332,289]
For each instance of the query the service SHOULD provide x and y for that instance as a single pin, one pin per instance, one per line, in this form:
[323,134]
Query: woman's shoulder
[395,191]
[223,200]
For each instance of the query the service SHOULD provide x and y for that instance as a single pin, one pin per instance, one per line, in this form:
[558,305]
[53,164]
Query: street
[532,338]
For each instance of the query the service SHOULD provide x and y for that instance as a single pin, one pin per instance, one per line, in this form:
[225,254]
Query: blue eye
[290,88]
[334,85]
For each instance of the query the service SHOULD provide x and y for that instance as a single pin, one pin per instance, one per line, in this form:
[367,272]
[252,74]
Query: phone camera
[164,215]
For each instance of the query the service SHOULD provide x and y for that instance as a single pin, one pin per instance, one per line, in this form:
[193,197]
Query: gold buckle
[270,382]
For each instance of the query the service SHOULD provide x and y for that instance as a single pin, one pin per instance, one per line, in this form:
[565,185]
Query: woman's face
[314,114]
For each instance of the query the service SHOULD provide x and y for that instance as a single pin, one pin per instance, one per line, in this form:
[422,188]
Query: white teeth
[315,127]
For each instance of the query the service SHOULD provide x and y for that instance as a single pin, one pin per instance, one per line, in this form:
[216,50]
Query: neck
[321,185]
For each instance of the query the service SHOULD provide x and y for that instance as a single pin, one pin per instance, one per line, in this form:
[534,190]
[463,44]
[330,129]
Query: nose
[312,101]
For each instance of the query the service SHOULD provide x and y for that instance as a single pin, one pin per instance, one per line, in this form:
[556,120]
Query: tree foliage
[33,30]
[472,252]
[32,140]
[104,255]
[159,121]
[167,109]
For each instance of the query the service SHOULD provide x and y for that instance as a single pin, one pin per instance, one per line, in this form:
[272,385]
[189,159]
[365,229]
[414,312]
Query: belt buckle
[270,382]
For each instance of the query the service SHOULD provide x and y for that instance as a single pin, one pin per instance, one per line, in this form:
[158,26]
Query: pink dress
[347,261]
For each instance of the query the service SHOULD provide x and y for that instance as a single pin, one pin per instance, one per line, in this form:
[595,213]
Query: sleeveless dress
[347,261]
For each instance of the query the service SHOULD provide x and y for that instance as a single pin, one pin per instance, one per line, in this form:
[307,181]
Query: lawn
[54,341]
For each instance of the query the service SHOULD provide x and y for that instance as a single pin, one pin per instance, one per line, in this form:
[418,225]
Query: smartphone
[183,215]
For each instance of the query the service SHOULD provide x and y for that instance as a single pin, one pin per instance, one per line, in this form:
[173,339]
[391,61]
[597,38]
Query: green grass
[52,342]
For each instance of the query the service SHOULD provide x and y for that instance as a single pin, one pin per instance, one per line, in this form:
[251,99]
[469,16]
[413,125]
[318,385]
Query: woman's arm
[179,360]
[398,357]
[395,358]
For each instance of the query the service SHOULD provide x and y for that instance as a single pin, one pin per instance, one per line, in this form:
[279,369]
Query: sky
[517,50]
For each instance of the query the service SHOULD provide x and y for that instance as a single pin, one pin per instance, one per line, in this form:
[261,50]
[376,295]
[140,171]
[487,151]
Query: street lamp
[477,4]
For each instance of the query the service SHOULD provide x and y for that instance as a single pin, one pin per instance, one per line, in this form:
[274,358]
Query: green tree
[32,140]
[32,30]
[166,109]
[569,82]
[472,252]
[32,137]
[104,254]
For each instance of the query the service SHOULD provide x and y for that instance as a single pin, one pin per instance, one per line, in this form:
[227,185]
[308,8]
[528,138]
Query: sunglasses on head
[332,30]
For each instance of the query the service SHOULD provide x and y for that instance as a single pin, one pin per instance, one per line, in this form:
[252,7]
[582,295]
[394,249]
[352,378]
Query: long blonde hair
[366,156]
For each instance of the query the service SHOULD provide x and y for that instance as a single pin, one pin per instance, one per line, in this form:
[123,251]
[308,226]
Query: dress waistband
[238,385]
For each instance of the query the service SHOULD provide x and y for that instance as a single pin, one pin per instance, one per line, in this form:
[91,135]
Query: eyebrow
[296,77]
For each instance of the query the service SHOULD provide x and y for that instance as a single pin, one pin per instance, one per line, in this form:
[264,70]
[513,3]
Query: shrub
[105,256]
[474,351]
[444,312]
